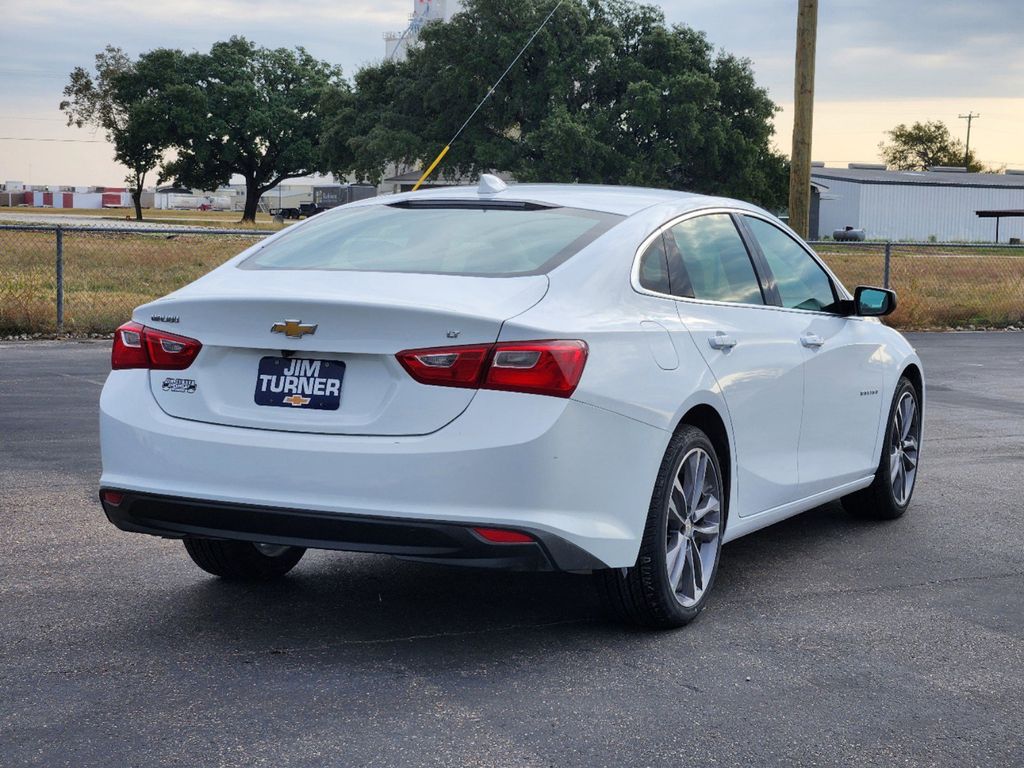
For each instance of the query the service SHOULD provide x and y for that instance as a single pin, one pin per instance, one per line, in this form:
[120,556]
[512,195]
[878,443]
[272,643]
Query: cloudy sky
[880,62]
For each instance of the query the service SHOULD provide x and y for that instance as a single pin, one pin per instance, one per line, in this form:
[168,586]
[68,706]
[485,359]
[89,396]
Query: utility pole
[969,117]
[803,118]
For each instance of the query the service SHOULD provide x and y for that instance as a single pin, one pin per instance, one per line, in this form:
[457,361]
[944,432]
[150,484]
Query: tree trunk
[252,201]
[137,200]
[137,181]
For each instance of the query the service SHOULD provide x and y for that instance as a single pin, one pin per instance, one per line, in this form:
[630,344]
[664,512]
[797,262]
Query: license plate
[292,382]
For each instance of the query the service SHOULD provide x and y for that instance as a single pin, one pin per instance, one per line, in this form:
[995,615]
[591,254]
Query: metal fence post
[60,279]
[888,261]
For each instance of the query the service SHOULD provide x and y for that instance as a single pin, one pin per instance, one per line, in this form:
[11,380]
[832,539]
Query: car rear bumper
[558,469]
[415,539]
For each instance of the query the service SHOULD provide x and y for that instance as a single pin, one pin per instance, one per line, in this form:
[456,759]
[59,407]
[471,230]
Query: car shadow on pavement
[333,600]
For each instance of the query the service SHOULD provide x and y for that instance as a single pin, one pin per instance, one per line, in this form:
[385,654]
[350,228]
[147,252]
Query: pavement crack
[410,638]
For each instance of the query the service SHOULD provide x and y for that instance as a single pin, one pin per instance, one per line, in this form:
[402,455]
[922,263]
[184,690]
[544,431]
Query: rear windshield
[457,238]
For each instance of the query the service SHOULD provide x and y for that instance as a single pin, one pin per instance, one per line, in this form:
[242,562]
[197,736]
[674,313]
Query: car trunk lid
[348,326]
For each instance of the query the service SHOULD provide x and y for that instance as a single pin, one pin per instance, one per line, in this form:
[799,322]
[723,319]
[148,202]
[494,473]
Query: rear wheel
[889,495]
[242,560]
[679,553]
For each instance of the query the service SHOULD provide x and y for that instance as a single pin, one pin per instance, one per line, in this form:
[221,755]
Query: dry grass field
[940,286]
[106,275]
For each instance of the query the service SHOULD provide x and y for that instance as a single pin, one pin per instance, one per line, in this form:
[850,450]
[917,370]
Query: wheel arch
[910,367]
[913,372]
[707,419]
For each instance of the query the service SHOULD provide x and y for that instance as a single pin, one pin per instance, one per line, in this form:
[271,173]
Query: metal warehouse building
[917,205]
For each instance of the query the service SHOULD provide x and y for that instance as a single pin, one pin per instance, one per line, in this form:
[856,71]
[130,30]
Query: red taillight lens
[535,367]
[446,366]
[502,536]
[170,352]
[129,349]
[137,346]
[538,367]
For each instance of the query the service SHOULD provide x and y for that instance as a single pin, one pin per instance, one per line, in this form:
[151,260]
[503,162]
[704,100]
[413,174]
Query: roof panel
[607,198]
[926,178]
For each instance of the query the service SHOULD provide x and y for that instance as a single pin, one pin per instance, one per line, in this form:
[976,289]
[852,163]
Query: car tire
[242,560]
[889,494]
[675,570]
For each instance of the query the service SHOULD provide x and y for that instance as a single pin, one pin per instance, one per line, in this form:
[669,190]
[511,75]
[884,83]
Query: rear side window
[802,283]
[654,268]
[455,238]
[716,261]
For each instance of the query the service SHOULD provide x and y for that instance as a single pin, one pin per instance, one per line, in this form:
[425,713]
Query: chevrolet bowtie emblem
[296,400]
[293,329]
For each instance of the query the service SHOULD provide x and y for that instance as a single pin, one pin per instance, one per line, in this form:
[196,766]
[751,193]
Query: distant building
[917,205]
[288,194]
[396,44]
[404,182]
[53,196]
[172,198]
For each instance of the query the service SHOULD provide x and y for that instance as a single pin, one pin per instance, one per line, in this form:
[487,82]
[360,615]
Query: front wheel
[242,560]
[889,494]
[678,560]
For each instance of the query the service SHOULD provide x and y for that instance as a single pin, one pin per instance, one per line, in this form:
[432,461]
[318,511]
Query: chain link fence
[939,285]
[84,280]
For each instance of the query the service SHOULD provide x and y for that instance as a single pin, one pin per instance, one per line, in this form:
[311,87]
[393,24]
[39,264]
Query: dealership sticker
[188,386]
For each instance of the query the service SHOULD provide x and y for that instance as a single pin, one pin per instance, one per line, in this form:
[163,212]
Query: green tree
[922,145]
[607,93]
[114,101]
[246,110]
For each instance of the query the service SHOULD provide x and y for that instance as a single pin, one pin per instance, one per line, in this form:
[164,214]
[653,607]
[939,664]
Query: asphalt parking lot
[828,642]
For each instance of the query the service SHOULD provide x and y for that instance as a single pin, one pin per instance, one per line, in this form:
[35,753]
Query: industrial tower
[396,44]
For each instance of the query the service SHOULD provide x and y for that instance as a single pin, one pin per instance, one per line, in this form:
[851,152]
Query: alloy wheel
[905,440]
[694,526]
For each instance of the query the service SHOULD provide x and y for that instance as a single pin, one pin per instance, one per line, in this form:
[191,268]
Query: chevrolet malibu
[600,380]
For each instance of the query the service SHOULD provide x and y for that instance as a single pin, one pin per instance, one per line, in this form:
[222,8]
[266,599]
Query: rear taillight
[539,367]
[446,366]
[536,367]
[129,349]
[138,346]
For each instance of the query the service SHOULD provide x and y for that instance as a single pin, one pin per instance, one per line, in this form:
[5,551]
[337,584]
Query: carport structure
[997,215]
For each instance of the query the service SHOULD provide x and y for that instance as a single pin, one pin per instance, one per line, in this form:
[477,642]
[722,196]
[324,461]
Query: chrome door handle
[812,340]
[721,341]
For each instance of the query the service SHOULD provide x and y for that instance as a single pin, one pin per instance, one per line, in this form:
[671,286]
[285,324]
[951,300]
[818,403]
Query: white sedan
[592,379]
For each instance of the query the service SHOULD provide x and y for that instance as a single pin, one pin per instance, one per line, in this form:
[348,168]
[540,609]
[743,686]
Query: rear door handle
[721,341]
[812,340]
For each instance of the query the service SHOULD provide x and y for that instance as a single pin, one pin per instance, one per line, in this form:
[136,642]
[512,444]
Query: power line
[507,70]
[60,141]
[487,95]
[31,73]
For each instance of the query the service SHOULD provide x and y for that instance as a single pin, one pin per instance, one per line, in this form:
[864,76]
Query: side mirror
[874,302]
